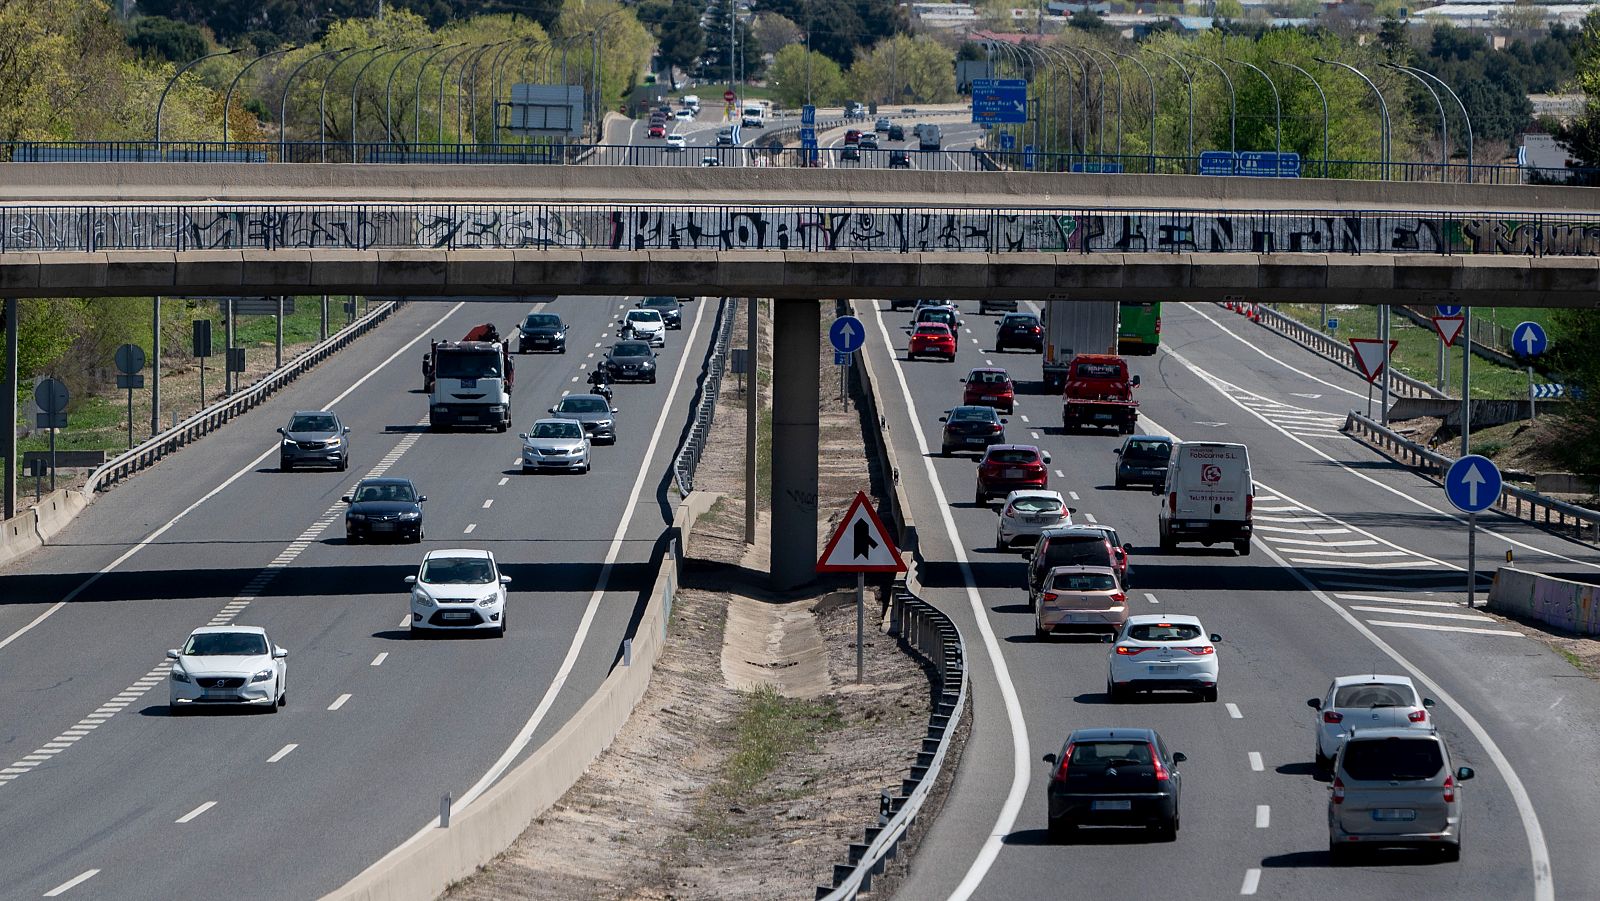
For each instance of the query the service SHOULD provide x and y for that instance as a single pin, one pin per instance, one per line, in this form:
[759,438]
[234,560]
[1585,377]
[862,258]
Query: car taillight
[1155,760]
[995,428]
[1050,596]
[1127,651]
[1450,787]
[1035,330]
[1331,716]
[1418,716]
[1172,503]
[1200,650]
[1249,504]
[1158,325]
[1061,771]
[1338,790]
[1118,597]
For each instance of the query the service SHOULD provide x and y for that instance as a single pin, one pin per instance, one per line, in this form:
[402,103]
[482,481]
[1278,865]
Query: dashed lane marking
[1255,761]
[1424,614]
[378,660]
[1430,627]
[1151,598]
[1252,881]
[339,702]
[1233,710]
[1263,816]
[71,884]
[283,752]
[196,812]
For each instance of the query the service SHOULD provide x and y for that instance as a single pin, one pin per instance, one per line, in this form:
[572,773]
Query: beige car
[1080,599]
[1395,787]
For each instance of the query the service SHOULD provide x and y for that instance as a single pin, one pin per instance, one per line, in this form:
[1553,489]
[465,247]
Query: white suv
[1366,702]
[458,589]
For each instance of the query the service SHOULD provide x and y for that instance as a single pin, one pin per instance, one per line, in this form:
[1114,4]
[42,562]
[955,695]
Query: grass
[1571,658]
[1417,353]
[765,730]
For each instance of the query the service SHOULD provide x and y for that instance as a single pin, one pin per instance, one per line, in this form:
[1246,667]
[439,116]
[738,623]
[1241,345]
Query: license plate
[974,440]
[1194,525]
[219,693]
[1079,618]
[990,397]
[469,419]
[1102,416]
[1034,519]
[455,614]
[383,527]
[1013,473]
[1111,805]
[1156,668]
[1394,814]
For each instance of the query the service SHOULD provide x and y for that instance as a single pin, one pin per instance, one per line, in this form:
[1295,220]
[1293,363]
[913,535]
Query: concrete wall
[1291,277]
[1573,606]
[35,526]
[200,182]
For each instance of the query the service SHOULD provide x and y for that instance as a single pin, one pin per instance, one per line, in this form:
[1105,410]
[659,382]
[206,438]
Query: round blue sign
[847,334]
[1529,339]
[1472,484]
[1448,309]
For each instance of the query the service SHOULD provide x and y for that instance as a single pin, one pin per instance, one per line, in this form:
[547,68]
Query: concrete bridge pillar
[796,338]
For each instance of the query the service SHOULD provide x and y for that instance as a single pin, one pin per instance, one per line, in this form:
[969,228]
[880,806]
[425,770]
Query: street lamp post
[160,104]
[322,104]
[1082,60]
[1188,80]
[1118,70]
[355,94]
[1233,102]
[1383,113]
[283,102]
[1324,98]
[1152,80]
[1465,119]
[1277,103]
[472,62]
[444,76]
[1444,122]
[227,100]
[388,88]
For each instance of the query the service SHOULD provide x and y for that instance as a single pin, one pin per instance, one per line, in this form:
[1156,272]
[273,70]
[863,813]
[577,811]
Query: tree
[169,39]
[839,27]
[681,39]
[775,32]
[905,69]
[1228,9]
[795,68]
[714,63]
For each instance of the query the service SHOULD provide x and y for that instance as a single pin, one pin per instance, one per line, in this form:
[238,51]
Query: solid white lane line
[1020,752]
[1255,761]
[1263,816]
[1284,509]
[378,660]
[283,752]
[471,526]
[1370,598]
[339,702]
[1335,552]
[1151,598]
[248,468]
[1424,614]
[1342,561]
[1430,627]
[1312,542]
[1233,710]
[1291,518]
[1252,881]
[196,812]
[70,884]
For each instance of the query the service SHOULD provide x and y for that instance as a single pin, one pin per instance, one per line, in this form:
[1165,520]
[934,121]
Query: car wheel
[414,632]
[1000,543]
[417,538]
[177,710]
[1121,484]
[344,464]
[273,707]
[1061,830]
[1168,545]
[1209,695]
[501,632]
[1040,633]
[1339,854]
[1450,853]
[1242,548]
[652,380]
[979,499]
[1116,694]
[1320,763]
[1166,831]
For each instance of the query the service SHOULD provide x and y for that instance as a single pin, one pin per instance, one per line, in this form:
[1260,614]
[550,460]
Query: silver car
[591,411]
[1366,702]
[1026,514]
[314,437]
[556,444]
[1395,787]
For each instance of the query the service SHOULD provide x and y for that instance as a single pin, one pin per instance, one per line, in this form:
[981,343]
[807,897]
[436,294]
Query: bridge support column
[795,401]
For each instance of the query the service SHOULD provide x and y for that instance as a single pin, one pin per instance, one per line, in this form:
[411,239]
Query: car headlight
[422,599]
[489,600]
[355,517]
[410,514]
[290,442]
[335,442]
[262,676]
[603,424]
[178,675]
[648,364]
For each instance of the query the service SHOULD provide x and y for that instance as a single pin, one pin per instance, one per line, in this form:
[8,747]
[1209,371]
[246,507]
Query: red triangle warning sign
[1371,356]
[861,544]
[1449,328]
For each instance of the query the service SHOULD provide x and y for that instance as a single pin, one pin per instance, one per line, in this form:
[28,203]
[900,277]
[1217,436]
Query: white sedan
[555,444]
[228,665]
[675,141]
[1155,652]
[1367,701]
[458,589]
[1026,514]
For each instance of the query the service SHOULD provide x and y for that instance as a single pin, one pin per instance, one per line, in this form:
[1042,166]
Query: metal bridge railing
[705,403]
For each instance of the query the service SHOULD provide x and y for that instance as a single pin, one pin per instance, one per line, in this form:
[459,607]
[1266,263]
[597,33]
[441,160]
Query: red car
[852,138]
[932,339]
[1009,467]
[990,387]
[658,131]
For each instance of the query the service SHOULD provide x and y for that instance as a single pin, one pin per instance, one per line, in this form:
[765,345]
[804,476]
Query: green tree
[169,39]
[714,64]
[905,69]
[774,32]
[681,39]
[838,28]
[795,68]
[1573,335]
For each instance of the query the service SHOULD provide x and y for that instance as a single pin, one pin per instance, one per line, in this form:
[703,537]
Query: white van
[691,102]
[754,117]
[1209,496]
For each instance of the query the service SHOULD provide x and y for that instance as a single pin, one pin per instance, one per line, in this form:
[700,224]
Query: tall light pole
[1277,105]
[1188,79]
[444,76]
[1444,122]
[1383,112]
[322,104]
[1465,119]
[472,62]
[1152,80]
[1233,102]
[1324,97]
[355,94]
[388,88]
[227,100]
[283,102]
[1112,60]
[160,104]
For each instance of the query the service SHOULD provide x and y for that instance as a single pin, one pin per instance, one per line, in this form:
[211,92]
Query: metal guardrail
[1558,516]
[1320,344]
[151,451]
[705,403]
[925,628]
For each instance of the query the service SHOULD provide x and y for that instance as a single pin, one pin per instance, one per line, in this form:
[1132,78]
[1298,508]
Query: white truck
[1210,496]
[469,384]
[755,116]
[1072,328]
[691,102]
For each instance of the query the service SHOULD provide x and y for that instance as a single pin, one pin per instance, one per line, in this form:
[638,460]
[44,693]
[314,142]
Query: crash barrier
[1400,384]
[208,420]
[1573,606]
[423,869]
[1557,516]
[925,629]
[705,402]
[35,526]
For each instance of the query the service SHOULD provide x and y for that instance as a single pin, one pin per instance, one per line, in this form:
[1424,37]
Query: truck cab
[1098,393]
[471,385]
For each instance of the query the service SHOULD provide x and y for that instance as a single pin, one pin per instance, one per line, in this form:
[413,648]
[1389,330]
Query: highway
[1357,566]
[378,727]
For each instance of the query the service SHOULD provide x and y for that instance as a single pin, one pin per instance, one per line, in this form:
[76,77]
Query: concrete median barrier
[35,526]
[1520,593]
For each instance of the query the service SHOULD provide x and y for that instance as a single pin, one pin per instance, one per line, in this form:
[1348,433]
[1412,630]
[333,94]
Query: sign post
[130,360]
[1372,358]
[1529,340]
[847,335]
[51,395]
[860,545]
[202,349]
[1473,485]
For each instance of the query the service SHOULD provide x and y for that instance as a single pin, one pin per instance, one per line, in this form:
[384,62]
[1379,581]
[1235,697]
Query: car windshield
[1106,753]
[225,644]
[396,493]
[1164,632]
[665,302]
[937,314]
[1377,695]
[988,378]
[312,422]
[590,404]
[457,571]
[1146,450]
[467,364]
[542,320]
[643,316]
[631,350]
[933,329]
[1392,759]
[1036,505]
[1012,456]
[1083,582]
[972,414]
[558,430]
[1087,549]
[1015,319]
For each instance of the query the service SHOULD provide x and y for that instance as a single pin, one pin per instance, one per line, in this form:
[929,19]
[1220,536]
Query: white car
[707,162]
[228,665]
[555,444]
[1026,514]
[684,114]
[1155,652]
[645,325]
[675,141]
[1366,702]
[458,589]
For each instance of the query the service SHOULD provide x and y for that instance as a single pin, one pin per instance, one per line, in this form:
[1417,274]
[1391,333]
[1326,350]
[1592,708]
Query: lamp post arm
[161,104]
[227,100]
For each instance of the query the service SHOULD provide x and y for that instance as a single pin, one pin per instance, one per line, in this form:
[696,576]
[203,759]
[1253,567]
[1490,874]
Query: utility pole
[751,415]
[9,439]
[155,367]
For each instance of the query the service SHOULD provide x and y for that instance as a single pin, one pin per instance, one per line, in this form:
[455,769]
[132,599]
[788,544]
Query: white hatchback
[235,665]
[458,589]
[1366,702]
[1026,514]
[645,325]
[675,141]
[1155,652]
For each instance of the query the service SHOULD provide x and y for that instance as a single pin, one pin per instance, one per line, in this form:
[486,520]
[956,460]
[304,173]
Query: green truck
[1139,329]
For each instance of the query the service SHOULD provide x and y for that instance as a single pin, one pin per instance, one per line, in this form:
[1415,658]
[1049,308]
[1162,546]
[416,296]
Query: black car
[542,331]
[1019,330]
[1114,777]
[869,140]
[384,507]
[897,133]
[670,309]
[971,428]
[1070,546]
[631,361]
[899,159]
[1143,460]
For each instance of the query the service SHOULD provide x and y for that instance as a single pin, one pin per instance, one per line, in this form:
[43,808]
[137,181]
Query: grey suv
[1066,546]
[314,437]
[1395,787]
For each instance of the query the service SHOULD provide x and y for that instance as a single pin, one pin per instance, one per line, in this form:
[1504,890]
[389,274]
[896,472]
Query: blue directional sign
[1549,391]
[847,334]
[1008,141]
[999,100]
[808,115]
[1333,324]
[1529,339]
[1028,156]
[1472,484]
[1217,162]
[808,135]
[1446,309]
[1107,168]
[1268,163]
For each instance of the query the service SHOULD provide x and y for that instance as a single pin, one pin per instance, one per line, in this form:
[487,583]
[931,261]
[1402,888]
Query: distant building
[1490,16]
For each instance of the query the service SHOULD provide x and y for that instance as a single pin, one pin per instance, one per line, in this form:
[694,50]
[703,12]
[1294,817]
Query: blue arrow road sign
[1472,484]
[847,335]
[1008,141]
[1549,390]
[1529,339]
[808,115]
[1217,162]
[1445,309]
